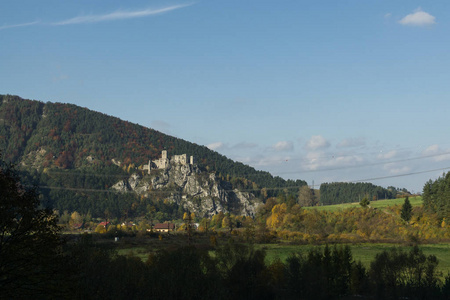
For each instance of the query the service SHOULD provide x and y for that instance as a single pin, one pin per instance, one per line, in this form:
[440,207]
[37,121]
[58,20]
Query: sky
[322,91]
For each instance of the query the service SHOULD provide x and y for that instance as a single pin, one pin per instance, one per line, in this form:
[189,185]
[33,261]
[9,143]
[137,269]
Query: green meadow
[380,204]
[362,252]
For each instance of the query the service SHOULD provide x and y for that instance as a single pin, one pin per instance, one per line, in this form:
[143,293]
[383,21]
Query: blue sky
[315,90]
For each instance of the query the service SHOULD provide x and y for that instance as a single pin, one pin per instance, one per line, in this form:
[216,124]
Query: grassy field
[415,201]
[363,252]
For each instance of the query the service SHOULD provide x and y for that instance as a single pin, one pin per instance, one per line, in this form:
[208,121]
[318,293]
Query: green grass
[362,252]
[381,204]
[140,252]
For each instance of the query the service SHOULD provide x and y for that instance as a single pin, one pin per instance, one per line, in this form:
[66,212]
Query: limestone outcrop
[186,185]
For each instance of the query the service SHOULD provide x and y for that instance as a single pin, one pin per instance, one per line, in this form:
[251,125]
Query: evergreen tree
[364,202]
[406,210]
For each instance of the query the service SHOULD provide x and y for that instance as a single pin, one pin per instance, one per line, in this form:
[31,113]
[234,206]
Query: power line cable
[400,175]
[365,165]
[268,173]
[244,190]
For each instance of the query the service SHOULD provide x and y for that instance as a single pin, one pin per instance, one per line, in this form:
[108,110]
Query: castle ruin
[164,162]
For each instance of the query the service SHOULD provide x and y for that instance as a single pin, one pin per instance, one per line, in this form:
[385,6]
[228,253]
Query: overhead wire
[244,190]
[123,176]
[284,172]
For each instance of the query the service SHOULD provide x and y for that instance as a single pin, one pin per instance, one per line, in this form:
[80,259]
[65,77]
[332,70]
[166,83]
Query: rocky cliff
[196,191]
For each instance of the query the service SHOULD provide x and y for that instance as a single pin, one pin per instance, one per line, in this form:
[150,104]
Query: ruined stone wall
[180,159]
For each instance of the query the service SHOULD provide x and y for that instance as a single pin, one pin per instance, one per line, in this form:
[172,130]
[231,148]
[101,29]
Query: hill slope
[80,153]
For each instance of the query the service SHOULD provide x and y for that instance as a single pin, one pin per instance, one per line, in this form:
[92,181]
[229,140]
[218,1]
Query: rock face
[196,191]
[34,159]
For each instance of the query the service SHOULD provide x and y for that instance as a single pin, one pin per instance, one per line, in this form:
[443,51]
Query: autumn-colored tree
[188,219]
[76,218]
[228,222]
[277,216]
[204,225]
[306,196]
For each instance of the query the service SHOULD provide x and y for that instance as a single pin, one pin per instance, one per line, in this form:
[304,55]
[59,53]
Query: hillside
[348,192]
[75,155]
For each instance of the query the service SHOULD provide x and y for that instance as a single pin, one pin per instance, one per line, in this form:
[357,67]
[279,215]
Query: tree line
[436,196]
[347,192]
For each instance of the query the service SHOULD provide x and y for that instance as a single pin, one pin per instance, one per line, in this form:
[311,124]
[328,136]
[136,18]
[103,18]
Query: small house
[164,227]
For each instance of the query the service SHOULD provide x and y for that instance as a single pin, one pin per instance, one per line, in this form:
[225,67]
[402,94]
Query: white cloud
[317,142]
[117,15]
[316,160]
[418,18]
[351,142]
[244,145]
[431,150]
[396,169]
[436,153]
[19,25]
[387,155]
[216,146]
[284,146]
[237,147]
[272,161]
[387,15]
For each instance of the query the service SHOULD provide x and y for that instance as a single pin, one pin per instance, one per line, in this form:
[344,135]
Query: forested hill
[65,136]
[346,192]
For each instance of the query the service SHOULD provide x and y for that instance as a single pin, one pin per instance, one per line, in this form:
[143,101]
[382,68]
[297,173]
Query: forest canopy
[346,192]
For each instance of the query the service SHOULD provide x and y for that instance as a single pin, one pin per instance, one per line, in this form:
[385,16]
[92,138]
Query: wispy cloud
[283,146]
[118,15]
[316,160]
[317,142]
[418,18]
[387,155]
[220,146]
[352,142]
[161,126]
[19,25]
[113,16]
[436,153]
[244,145]
[395,169]
[277,161]
[217,146]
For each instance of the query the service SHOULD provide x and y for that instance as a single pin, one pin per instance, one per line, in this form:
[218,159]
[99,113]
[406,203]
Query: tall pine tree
[406,212]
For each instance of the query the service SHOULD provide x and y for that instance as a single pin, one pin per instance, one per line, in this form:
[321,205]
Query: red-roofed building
[164,227]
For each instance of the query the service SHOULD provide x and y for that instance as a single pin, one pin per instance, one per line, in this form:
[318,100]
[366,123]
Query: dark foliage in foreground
[29,242]
[238,271]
